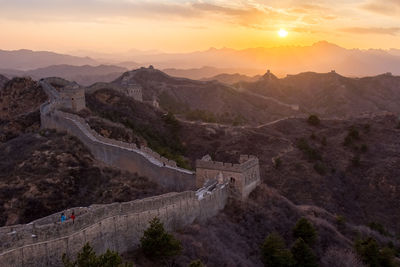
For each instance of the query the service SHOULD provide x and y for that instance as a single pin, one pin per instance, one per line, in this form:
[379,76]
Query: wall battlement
[246,162]
[118,154]
[243,177]
[117,226]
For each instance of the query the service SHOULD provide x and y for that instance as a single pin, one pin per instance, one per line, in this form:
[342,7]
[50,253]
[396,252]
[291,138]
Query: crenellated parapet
[246,162]
[243,177]
[116,226]
[125,156]
[119,226]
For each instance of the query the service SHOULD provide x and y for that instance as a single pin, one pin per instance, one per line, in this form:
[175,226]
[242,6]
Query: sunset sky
[187,25]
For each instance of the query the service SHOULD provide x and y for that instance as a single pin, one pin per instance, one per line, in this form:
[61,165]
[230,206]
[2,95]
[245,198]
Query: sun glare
[282,33]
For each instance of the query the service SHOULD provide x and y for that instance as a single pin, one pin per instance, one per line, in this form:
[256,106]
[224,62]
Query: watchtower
[72,96]
[243,178]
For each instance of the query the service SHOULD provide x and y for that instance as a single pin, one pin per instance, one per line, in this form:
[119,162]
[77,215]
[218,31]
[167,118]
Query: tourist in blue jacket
[63,218]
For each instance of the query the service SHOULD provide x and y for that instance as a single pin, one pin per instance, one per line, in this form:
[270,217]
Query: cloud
[361,30]
[385,7]
[244,13]
[88,10]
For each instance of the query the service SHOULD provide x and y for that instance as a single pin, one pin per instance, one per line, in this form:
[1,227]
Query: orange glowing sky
[187,25]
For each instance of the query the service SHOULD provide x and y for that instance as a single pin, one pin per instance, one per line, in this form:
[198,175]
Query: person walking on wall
[72,217]
[63,218]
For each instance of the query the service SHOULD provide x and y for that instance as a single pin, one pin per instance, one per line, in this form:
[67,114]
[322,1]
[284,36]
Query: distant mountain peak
[269,76]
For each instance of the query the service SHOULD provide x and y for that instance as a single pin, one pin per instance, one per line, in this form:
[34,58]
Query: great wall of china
[119,226]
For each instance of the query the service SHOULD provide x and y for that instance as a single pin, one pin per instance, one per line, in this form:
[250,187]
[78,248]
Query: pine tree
[157,244]
[87,258]
[196,263]
[303,254]
[306,231]
[274,252]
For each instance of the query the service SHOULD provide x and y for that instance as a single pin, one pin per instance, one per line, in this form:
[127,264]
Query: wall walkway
[117,226]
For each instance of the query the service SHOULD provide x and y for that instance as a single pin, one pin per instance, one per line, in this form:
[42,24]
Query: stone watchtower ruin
[243,178]
[72,96]
[134,91]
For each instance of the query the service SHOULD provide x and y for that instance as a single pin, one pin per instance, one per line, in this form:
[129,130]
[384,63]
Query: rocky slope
[330,94]
[359,181]
[27,59]
[43,173]
[182,96]
[339,167]
[348,167]
[232,78]
[3,81]
[20,100]
[85,75]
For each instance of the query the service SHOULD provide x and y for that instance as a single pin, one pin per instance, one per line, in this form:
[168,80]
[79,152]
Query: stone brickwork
[125,156]
[67,95]
[119,226]
[134,91]
[116,226]
[243,177]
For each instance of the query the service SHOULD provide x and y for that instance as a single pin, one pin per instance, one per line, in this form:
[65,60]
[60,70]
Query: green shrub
[303,254]
[374,255]
[379,228]
[364,148]
[88,258]
[306,231]
[352,136]
[314,120]
[274,252]
[311,153]
[196,263]
[313,136]
[398,125]
[157,244]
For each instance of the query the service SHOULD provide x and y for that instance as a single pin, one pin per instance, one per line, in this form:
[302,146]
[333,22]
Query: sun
[282,33]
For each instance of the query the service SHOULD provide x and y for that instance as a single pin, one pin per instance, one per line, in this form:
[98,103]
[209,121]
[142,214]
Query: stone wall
[116,226]
[119,226]
[243,177]
[121,155]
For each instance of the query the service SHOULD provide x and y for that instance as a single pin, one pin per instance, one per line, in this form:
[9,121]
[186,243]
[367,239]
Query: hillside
[321,56]
[199,100]
[318,163]
[43,172]
[3,81]
[20,100]
[330,94]
[233,78]
[47,172]
[28,59]
[328,176]
[234,237]
[206,72]
[340,167]
[85,75]
[320,185]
